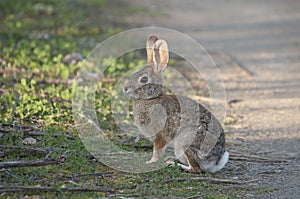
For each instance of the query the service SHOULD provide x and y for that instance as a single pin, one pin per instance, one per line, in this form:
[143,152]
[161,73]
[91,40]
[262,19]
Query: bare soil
[256,46]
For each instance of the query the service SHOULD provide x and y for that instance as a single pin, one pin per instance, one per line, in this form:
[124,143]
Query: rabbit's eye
[144,80]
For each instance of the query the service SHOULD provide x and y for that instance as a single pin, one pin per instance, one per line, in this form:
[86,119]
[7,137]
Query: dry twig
[103,173]
[214,180]
[30,163]
[30,148]
[33,132]
[52,189]
[254,158]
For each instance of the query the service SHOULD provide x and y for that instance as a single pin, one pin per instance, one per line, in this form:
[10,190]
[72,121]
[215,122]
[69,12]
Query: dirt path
[260,66]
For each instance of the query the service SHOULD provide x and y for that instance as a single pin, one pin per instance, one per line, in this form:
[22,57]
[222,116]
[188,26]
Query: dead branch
[254,158]
[30,163]
[32,132]
[52,189]
[195,196]
[214,180]
[30,148]
[14,130]
[244,187]
[93,174]
[2,154]
[124,195]
[39,133]
[10,173]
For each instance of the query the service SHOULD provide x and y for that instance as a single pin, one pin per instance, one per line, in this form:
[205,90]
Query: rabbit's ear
[161,55]
[149,47]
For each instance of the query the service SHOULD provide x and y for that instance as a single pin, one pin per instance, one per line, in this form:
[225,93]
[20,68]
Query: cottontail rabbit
[196,135]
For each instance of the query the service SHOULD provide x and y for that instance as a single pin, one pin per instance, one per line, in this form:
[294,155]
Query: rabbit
[195,134]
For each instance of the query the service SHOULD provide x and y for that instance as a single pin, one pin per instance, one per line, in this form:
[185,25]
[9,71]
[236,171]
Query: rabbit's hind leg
[192,166]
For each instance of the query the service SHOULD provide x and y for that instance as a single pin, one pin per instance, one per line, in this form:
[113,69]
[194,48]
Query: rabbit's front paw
[151,161]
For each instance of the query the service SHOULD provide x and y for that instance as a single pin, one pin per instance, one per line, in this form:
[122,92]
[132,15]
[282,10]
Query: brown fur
[195,168]
[197,136]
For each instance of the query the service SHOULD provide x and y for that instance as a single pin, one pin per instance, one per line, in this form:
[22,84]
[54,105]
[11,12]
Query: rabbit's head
[147,83]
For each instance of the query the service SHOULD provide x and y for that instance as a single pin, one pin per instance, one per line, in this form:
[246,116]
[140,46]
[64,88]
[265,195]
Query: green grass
[36,91]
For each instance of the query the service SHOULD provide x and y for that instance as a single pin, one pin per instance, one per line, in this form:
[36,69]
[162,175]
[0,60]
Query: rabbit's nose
[125,89]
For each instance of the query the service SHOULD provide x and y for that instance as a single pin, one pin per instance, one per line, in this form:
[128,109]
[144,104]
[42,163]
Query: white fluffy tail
[222,162]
